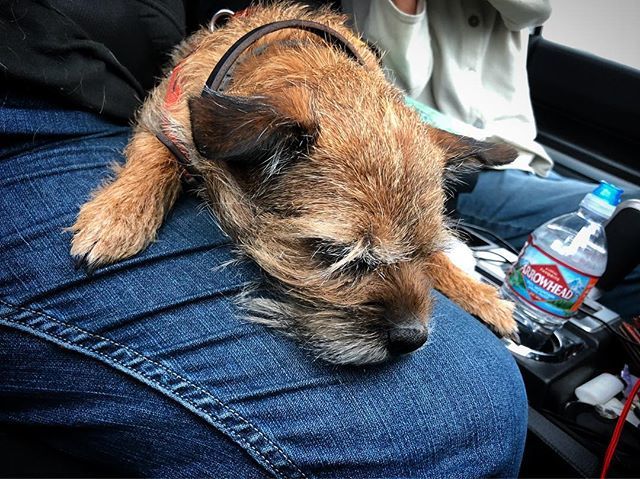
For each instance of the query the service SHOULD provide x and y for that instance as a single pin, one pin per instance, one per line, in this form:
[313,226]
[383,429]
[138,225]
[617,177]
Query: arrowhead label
[549,278]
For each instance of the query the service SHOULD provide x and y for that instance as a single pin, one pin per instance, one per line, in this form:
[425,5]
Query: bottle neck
[592,216]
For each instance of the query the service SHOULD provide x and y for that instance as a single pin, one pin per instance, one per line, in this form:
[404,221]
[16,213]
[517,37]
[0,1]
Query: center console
[577,352]
[583,348]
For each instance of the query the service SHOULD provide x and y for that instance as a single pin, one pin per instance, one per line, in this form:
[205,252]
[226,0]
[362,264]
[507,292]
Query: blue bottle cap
[608,192]
[603,200]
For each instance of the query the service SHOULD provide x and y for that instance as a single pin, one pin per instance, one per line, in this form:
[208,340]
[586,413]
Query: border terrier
[315,167]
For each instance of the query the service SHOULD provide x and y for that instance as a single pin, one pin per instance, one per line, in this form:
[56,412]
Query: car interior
[587,110]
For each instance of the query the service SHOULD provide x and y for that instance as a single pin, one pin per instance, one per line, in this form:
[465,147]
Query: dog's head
[336,192]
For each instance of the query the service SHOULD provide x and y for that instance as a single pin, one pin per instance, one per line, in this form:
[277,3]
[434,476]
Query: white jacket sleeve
[520,14]
[404,40]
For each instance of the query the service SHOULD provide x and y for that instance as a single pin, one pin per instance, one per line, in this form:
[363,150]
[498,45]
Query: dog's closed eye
[347,258]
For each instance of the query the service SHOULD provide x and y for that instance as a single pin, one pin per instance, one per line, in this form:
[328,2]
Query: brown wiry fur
[349,228]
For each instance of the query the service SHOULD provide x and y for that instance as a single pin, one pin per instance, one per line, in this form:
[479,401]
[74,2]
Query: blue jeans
[147,367]
[513,203]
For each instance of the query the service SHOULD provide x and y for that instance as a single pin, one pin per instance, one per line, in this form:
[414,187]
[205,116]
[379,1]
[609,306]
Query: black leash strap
[329,35]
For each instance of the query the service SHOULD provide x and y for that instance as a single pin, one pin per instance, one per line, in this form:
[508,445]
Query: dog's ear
[462,152]
[247,131]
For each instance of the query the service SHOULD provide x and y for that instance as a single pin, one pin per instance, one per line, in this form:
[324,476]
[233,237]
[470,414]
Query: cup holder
[557,348]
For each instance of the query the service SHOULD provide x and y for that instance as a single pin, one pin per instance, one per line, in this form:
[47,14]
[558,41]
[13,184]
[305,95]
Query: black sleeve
[100,56]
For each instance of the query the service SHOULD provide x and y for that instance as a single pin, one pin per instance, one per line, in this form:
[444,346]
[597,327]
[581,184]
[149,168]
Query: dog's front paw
[108,230]
[498,314]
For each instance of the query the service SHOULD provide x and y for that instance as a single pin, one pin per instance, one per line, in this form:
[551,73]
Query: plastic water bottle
[559,265]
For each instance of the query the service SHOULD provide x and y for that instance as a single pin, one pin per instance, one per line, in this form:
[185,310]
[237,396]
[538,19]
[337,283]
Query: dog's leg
[474,297]
[123,216]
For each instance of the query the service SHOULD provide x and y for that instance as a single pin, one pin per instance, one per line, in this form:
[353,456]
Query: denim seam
[109,358]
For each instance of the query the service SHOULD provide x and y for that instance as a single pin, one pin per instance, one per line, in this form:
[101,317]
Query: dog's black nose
[406,338]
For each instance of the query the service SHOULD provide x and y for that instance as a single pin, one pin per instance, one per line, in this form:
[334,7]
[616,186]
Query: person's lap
[148,366]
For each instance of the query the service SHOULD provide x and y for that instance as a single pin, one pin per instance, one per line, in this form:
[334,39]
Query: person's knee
[505,420]
[497,415]
[487,397]
[455,408]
